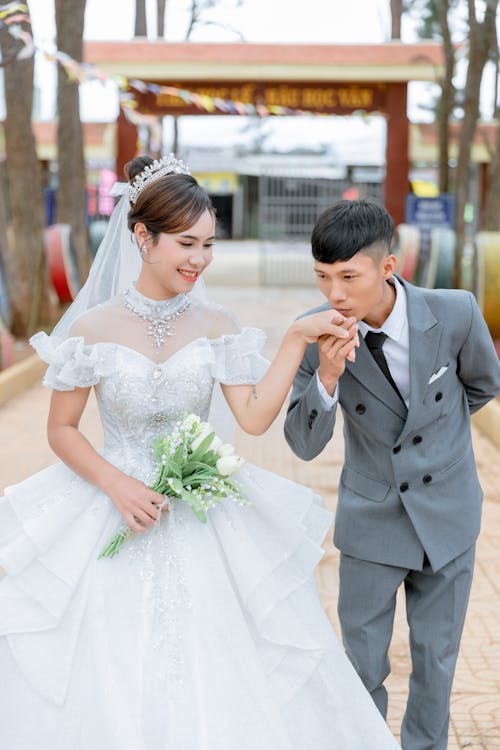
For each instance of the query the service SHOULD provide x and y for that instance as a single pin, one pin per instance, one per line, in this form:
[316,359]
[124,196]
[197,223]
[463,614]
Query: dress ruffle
[233,359]
[54,524]
[72,363]
[231,605]
[51,526]
[236,358]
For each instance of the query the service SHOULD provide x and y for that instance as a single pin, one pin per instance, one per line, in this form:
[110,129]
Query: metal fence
[290,206]
[285,264]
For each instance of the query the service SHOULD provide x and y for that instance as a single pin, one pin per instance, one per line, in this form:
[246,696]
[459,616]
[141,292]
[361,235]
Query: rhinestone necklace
[159,314]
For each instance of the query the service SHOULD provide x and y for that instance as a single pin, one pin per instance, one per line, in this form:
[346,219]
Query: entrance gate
[289,206]
[247,78]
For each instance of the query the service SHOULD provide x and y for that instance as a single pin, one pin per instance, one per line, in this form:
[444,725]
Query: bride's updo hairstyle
[171,203]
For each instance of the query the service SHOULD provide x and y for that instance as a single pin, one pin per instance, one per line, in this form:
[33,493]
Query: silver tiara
[154,171]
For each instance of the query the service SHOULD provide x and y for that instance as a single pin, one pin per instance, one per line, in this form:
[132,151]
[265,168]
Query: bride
[195,636]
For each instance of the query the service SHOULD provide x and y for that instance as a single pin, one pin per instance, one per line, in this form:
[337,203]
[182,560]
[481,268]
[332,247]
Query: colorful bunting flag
[14,13]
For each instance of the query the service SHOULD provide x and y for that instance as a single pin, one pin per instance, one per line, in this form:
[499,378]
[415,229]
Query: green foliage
[188,472]
[425,14]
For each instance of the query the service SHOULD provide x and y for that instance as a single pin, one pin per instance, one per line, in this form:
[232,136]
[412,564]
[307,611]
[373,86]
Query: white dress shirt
[396,348]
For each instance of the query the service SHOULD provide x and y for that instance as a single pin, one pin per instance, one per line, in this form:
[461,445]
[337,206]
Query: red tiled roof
[139,50]
[486,133]
[93,132]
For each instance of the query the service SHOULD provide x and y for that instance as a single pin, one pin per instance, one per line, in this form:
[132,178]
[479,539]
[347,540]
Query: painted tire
[97,230]
[6,346]
[441,259]
[488,262]
[61,261]
[4,297]
[406,246]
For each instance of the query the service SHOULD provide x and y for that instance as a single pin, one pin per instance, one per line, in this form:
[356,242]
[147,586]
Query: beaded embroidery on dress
[195,637]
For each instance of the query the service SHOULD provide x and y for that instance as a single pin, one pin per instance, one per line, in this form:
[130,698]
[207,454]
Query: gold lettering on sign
[340,98]
[355,98]
[168,100]
[282,96]
[319,98]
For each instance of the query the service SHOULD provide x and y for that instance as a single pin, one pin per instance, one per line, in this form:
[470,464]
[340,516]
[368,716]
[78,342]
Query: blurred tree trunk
[25,260]
[141,28]
[396,15]
[160,15]
[447,101]
[482,36]
[491,209]
[70,17]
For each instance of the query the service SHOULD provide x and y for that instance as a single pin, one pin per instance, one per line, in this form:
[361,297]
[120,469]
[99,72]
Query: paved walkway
[476,695]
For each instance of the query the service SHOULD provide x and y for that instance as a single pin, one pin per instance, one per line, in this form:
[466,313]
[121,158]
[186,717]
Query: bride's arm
[131,497]
[256,407]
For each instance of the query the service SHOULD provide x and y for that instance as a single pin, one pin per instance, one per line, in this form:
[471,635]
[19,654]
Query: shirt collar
[393,325]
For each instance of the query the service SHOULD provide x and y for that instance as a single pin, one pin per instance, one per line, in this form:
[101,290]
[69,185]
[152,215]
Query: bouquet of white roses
[194,466]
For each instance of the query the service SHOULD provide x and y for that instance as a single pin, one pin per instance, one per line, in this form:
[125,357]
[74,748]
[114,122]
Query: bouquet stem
[124,533]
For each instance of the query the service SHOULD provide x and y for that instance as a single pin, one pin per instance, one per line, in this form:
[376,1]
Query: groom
[409,503]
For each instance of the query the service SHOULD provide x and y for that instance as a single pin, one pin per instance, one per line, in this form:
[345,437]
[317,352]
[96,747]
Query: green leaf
[196,480]
[176,486]
[195,505]
[191,466]
[203,447]
[158,448]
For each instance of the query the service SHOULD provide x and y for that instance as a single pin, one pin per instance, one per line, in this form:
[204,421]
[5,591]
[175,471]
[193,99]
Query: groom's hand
[333,353]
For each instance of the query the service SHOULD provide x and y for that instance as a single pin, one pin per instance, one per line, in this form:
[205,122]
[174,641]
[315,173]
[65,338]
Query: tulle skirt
[194,637]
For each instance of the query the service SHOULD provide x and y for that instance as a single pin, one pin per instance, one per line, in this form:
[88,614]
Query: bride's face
[174,263]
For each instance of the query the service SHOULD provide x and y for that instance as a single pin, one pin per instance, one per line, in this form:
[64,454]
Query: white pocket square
[438,374]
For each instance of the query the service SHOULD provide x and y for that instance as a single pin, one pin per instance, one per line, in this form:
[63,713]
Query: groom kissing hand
[416,364]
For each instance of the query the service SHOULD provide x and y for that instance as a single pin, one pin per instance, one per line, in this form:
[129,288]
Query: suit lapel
[368,373]
[424,336]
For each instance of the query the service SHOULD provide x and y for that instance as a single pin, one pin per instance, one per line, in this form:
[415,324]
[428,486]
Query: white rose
[227,465]
[226,449]
[216,444]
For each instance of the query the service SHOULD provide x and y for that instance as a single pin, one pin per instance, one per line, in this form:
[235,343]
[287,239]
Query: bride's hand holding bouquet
[194,467]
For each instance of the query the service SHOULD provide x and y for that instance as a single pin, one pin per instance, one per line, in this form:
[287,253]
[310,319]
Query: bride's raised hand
[326,323]
[137,504]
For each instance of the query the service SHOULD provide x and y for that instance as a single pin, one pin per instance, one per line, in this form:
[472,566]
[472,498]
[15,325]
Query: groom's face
[356,286]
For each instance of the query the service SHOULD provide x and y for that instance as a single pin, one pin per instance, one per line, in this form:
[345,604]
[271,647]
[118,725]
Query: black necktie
[374,342]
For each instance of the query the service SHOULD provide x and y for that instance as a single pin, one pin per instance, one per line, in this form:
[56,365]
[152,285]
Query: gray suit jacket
[409,483]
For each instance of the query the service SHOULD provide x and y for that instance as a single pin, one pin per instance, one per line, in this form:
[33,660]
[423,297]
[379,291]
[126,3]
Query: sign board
[428,213]
[329,98]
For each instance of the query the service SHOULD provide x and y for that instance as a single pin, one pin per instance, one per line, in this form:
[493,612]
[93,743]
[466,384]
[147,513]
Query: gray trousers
[435,608]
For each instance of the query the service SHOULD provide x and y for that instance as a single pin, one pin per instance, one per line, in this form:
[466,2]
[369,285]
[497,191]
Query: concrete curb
[21,376]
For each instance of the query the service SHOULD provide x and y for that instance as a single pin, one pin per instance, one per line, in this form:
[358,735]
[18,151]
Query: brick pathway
[476,695]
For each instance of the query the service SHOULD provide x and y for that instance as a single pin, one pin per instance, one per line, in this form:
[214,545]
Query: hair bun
[136,166]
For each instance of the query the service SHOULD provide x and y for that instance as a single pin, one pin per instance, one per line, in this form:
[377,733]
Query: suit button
[360,409]
[417,439]
[403,486]
[396,449]
[427,479]
[438,396]
[312,416]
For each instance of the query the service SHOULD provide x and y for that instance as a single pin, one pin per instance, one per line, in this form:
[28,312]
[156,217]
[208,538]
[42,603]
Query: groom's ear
[389,264]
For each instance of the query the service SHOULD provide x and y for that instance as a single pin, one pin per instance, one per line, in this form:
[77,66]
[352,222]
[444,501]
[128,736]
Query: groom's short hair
[348,227]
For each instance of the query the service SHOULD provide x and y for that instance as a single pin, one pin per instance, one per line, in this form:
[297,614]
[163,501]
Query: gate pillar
[396,157]
[126,146]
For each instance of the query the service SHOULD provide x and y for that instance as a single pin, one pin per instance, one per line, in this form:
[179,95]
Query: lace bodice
[140,398]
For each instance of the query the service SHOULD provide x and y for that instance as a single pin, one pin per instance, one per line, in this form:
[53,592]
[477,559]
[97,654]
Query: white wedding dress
[195,636]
